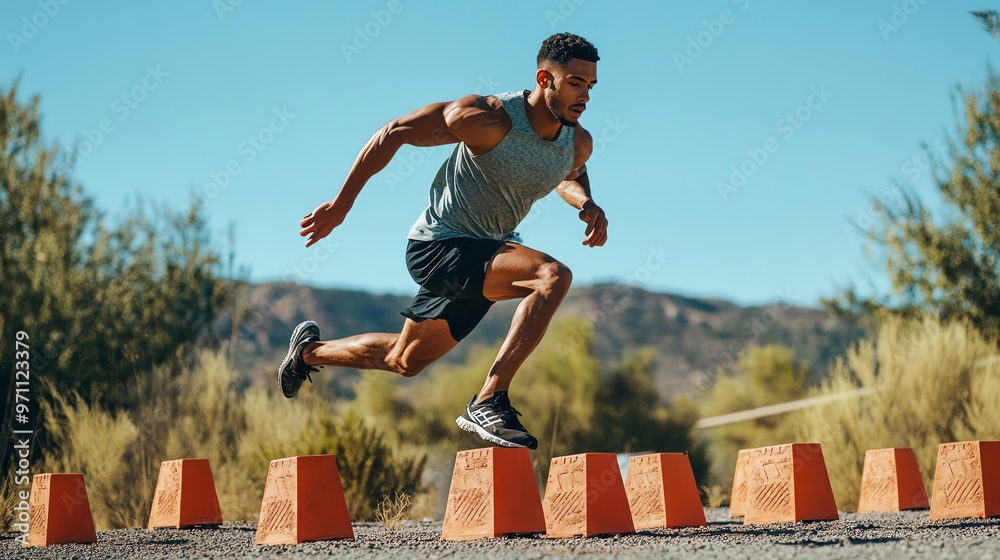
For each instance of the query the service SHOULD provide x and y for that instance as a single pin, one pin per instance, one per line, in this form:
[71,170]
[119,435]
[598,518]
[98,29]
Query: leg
[406,353]
[519,272]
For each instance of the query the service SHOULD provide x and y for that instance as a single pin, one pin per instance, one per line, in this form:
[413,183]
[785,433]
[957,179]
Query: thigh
[514,272]
[451,268]
[424,341]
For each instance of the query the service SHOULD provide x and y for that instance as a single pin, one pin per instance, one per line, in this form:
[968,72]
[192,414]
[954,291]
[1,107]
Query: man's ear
[543,78]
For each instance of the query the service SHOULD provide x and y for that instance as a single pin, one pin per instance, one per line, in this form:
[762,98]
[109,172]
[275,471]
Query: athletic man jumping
[513,149]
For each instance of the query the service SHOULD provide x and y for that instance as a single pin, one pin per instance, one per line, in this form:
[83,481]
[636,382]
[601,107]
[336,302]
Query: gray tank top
[487,196]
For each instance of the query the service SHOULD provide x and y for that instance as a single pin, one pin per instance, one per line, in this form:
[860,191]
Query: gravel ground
[897,535]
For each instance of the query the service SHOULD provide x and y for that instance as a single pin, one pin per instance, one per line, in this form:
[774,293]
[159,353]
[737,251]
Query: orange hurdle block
[493,493]
[738,498]
[891,481]
[662,492]
[185,495]
[967,480]
[59,511]
[303,501]
[584,496]
[789,483]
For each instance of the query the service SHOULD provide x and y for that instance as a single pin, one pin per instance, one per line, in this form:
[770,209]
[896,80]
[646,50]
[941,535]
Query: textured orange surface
[585,496]
[789,483]
[891,481]
[493,493]
[967,480]
[185,495]
[738,499]
[303,501]
[59,511]
[662,491]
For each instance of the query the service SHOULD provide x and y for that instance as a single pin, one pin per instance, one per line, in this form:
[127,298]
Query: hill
[690,336]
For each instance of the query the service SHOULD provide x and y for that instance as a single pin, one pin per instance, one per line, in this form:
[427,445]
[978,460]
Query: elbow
[389,133]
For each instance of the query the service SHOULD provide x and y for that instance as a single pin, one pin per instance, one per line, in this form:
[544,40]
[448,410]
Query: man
[513,149]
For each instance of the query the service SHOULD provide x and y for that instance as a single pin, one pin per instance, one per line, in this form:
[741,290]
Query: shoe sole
[291,352]
[477,429]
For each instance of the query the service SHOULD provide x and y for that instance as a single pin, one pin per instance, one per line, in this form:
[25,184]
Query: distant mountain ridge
[689,335]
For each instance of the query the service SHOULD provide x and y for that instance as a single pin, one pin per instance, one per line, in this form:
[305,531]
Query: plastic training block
[59,511]
[585,496]
[967,480]
[493,493]
[662,492]
[789,483]
[303,501]
[185,495]
[738,499]
[891,481]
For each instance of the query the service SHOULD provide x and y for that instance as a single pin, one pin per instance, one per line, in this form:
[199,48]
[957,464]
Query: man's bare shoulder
[478,120]
[475,109]
[583,146]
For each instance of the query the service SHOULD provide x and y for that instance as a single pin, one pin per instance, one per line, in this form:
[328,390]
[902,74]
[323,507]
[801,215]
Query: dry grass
[933,384]
[715,495]
[203,412]
[103,447]
[392,512]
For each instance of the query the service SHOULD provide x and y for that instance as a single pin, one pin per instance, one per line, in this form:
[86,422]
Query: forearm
[374,156]
[576,192]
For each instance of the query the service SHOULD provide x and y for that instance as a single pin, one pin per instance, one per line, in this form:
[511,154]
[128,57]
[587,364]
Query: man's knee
[556,277]
[405,366]
[408,369]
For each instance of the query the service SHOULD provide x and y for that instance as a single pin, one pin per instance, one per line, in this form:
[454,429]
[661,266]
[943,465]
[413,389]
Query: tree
[628,416]
[945,265]
[990,20]
[102,304]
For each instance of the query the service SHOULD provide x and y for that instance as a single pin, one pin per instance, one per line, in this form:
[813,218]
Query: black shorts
[450,273]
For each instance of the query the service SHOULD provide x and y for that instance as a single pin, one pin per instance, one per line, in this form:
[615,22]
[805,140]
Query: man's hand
[597,224]
[321,221]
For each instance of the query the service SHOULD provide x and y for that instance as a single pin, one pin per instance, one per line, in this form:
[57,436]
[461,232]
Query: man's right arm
[471,119]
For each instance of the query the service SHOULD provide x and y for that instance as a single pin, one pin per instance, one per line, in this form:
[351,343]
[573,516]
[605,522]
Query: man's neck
[539,116]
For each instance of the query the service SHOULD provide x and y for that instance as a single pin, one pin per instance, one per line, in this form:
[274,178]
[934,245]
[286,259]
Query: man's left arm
[575,190]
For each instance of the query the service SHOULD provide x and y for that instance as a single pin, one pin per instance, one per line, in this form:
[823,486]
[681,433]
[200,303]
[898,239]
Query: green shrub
[764,376]
[932,384]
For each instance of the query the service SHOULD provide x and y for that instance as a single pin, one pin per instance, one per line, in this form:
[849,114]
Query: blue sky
[260,108]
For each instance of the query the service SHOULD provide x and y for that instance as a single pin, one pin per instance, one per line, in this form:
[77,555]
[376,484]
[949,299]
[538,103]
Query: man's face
[568,89]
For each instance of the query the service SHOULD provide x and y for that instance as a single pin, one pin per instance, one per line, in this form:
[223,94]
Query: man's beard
[555,113]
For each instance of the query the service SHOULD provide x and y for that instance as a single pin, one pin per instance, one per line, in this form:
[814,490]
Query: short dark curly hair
[561,47]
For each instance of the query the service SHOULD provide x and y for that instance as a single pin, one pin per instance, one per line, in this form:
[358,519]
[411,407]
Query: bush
[203,411]
[567,403]
[931,383]
[368,466]
[766,375]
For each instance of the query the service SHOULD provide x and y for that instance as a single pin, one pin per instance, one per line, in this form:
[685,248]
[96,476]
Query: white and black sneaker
[293,369]
[495,420]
